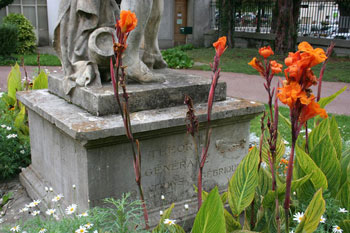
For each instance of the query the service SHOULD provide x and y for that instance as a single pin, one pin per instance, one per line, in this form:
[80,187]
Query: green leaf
[14,83]
[335,136]
[8,100]
[167,213]
[325,157]
[265,181]
[20,118]
[308,166]
[295,184]
[285,119]
[280,149]
[326,100]
[344,195]
[244,231]
[345,225]
[224,197]
[345,166]
[242,185]
[41,81]
[318,133]
[312,214]
[231,223]
[210,218]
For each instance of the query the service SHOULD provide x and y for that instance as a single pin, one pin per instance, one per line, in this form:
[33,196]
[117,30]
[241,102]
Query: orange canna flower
[266,52]
[311,110]
[310,78]
[256,64]
[128,21]
[318,54]
[220,46]
[292,57]
[290,93]
[296,69]
[276,67]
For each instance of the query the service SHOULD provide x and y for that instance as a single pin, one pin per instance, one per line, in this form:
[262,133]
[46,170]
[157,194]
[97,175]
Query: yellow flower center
[338,228]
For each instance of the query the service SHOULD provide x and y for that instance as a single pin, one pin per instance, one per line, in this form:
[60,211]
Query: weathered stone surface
[71,146]
[101,101]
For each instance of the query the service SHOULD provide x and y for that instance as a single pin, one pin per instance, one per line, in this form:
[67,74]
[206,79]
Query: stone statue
[77,20]
[83,42]
[149,13]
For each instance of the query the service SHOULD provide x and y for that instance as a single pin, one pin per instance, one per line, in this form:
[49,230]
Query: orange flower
[290,93]
[311,110]
[284,161]
[256,64]
[266,51]
[127,22]
[276,67]
[292,57]
[296,69]
[310,78]
[318,54]
[220,45]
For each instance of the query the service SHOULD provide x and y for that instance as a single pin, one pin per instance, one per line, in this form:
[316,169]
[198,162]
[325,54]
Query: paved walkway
[238,85]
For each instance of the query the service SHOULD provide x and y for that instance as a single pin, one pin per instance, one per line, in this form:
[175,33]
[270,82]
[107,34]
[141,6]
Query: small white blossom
[81,229]
[298,217]
[11,136]
[88,225]
[3,126]
[71,209]
[22,152]
[169,222]
[35,212]
[50,212]
[84,214]
[1,220]
[15,228]
[25,209]
[162,197]
[57,198]
[342,210]
[51,189]
[74,186]
[95,231]
[8,128]
[161,213]
[34,203]
[337,229]
[46,189]
[42,230]
[323,219]
[186,206]
[56,217]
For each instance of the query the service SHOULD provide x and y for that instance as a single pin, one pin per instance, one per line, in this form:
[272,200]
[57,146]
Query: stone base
[101,101]
[69,146]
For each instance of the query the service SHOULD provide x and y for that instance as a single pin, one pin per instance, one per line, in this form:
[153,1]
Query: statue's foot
[154,61]
[140,73]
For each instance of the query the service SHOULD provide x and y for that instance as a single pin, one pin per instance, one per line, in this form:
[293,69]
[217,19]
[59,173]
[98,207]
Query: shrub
[8,39]
[177,58]
[26,35]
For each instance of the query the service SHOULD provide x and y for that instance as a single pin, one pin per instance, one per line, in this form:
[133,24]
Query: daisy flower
[57,198]
[88,225]
[81,229]
[25,209]
[8,128]
[84,214]
[34,203]
[50,212]
[161,213]
[15,228]
[71,209]
[35,212]
[169,222]
[342,210]
[337,229]
[186,206]
[298,217]
[323,219]
[42,230]
[3,126]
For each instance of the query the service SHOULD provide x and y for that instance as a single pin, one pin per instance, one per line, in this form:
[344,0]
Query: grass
[342,120]
[31,60]
[236,60]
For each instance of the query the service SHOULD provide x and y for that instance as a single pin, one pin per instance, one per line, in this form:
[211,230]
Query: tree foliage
[4,3]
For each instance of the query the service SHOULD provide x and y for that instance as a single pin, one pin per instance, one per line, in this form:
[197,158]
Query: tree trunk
[275,12]
[344,19]
[227,24]
[287,26]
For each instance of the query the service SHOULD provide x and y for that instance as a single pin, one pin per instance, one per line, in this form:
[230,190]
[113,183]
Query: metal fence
[318,18]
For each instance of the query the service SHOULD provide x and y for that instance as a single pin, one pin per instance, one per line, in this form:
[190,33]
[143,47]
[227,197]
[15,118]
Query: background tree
[4,3]
[344,10]
[287,25]
[227,12]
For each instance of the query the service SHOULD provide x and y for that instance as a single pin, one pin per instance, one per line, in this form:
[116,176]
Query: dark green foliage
[177,58]
[4,3]
[14,146]
[26,35]
[8,39]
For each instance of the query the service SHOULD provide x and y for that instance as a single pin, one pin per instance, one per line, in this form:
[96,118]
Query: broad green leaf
[318,133]
[269,200]
[8,100]
[285,119]
[244,231]
[325,157]
[345,165]
[295,184]
[280,149]
[242,185]
[344,195]
[178,229]
[204,193]
[335,136]
[326,100]
[210,218]
[14,83]
[265,181]
[20,118]
[345,225]
[308,166]
[312,214]
[231,223]
[224,197]
[41,81]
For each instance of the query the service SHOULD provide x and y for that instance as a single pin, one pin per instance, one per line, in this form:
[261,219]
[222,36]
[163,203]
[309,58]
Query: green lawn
[342,120]
[31,60]
[236,60]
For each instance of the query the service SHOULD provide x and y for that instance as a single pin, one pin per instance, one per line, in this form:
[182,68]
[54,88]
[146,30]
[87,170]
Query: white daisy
[15,228]
[186,206]
[3,126]
[88,225]
[84,214]
[323,219]
[50,212]
[95,231]
[8,128]
[42,230]
[25,209]
[161,213]
[337,229]
[57,198]
[169,222]
[342,210]
[162,197]
[35,212]
[71,209]
[81,229]
[298,217]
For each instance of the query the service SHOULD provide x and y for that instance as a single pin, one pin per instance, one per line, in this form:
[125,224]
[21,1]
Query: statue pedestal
[70,146]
